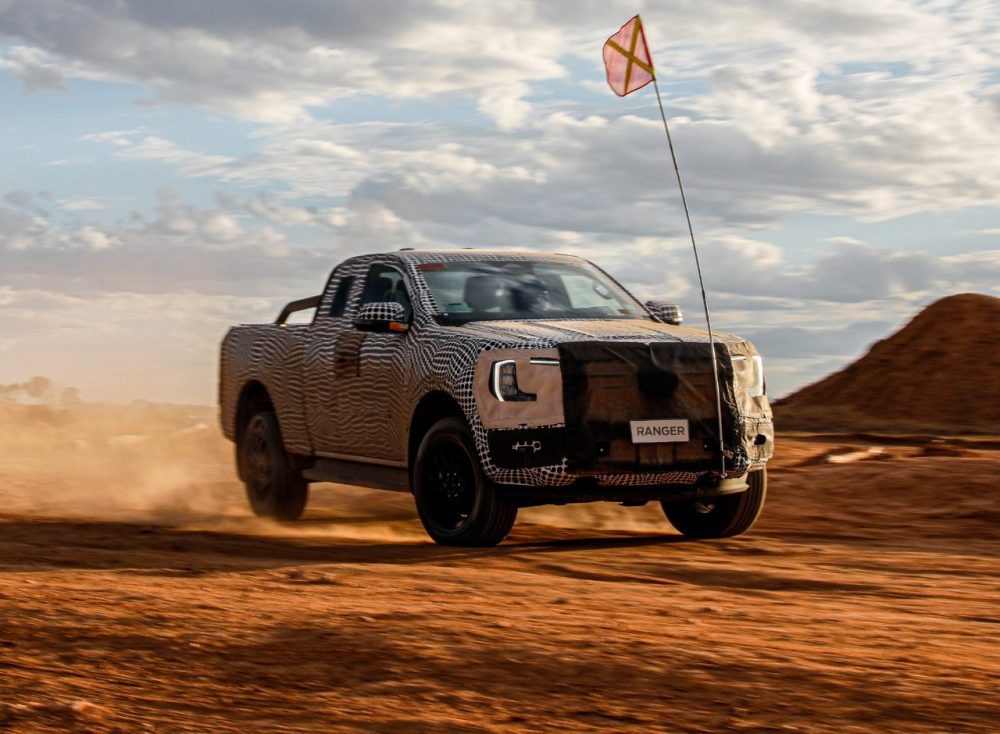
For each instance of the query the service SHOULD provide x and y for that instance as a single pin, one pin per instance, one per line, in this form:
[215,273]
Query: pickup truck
[485,381]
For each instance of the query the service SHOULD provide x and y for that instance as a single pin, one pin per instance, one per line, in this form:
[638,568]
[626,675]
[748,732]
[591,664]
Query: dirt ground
[137,594]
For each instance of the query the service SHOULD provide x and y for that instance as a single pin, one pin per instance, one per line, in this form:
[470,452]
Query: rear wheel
[274,484]
[457,504]
[720,517]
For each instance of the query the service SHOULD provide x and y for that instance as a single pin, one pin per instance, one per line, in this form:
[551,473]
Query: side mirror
[668,313]
[384,316]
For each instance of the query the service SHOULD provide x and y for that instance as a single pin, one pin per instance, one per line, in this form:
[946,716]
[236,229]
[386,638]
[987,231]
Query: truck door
[361,413]
[330,353]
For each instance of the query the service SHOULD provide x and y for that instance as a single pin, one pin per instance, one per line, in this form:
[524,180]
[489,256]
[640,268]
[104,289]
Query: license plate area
[667,430]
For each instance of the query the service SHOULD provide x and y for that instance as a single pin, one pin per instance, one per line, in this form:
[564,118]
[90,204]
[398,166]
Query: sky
[172,168]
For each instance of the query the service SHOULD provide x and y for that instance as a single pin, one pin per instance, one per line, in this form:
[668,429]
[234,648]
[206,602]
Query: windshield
[498,290]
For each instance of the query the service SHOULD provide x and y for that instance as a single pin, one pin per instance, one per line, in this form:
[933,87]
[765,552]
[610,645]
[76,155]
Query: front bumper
[605,386]
[592,489]
[538,457]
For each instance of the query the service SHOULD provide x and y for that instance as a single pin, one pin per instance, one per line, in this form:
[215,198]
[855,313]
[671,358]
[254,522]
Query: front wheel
[719,517]
[457,504]
[275,487]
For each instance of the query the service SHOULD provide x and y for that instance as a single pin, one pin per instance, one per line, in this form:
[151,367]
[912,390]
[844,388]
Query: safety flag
[627,59]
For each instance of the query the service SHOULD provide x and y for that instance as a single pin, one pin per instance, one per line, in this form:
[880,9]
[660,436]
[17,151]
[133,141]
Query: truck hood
[551,333]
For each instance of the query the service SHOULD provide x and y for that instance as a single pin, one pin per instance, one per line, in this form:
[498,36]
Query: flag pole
[701,281]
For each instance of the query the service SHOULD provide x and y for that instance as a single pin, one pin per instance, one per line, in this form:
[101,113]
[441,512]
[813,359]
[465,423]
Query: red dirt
[136,594]
[938,373]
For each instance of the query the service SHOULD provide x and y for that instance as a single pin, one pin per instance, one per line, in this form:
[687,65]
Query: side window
[340,297]
[385,283]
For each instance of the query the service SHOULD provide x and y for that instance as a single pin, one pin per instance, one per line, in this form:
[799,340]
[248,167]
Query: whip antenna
[701,281]
[630,67]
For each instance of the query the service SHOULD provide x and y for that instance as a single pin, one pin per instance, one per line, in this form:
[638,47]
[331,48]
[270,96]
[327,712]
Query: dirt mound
[941,372]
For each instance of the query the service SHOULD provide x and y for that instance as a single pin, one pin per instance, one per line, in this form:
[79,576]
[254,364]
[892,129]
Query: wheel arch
[253,398]
[432,407]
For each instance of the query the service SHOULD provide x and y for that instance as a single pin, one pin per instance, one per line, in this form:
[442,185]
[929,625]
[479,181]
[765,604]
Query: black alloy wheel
[457,504]
[452,483]
[273,480]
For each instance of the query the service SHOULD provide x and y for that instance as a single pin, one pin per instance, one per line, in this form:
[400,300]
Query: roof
[474,254]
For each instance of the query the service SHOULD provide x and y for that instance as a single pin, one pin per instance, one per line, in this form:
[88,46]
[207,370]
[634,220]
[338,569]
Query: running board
[358,474]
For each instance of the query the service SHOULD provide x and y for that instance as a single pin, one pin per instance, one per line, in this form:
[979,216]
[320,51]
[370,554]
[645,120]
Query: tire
[273,480]
[457,504]
[719,517]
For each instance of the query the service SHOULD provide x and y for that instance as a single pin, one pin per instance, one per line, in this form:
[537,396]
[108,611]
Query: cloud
[802,107]
[242,239]
[795,341]
[423,122]
[32,67]
[153,148]
[120,138]
[81,203]
[26,201]
[553,172]
[92,238]
[272,65]
[857,272]
[182,248]
[202,268]
[26,225]
[74,161]
[506,104]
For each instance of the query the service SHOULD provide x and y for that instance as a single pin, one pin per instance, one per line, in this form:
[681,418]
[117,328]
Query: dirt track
[866,600]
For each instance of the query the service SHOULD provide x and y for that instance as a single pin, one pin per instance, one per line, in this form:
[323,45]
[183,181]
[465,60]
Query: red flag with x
[627,59]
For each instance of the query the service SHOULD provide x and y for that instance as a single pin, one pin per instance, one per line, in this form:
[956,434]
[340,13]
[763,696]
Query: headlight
[503,383]
[756,386]
[518,388]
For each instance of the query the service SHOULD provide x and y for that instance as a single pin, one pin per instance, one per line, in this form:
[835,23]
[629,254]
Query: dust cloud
[158,464]
[141,461]
[169,464]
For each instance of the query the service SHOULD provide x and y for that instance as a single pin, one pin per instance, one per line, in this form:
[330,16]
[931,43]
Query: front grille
[607,385]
